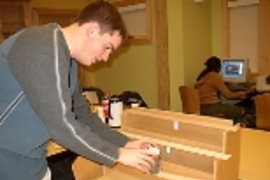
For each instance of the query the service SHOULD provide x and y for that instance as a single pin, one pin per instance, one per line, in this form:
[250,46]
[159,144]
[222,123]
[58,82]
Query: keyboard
[236,87]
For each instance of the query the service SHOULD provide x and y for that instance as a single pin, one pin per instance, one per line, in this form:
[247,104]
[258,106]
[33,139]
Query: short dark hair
[106,15]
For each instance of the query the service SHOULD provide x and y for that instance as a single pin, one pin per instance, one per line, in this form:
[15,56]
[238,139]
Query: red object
[105,105]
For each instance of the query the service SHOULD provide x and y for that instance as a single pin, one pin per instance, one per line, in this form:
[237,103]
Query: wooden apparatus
[192,147]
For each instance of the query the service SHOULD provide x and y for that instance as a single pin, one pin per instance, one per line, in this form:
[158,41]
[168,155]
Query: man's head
[100,31]
[106,15]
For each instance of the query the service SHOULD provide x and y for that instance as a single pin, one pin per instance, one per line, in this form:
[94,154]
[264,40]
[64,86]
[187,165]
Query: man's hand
[141,159]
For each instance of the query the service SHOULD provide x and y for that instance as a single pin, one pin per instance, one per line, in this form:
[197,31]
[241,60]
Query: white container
[116,110]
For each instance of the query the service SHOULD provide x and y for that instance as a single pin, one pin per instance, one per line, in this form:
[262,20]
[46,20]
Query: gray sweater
[50,106]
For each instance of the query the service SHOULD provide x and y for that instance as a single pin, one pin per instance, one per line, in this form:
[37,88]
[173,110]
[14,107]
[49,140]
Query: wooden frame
[62,16]
[139,11]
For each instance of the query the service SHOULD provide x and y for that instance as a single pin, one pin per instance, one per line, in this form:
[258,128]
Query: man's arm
[43,76]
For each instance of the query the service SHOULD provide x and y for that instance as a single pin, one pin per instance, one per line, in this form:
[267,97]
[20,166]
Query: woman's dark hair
[106,15]
[213,63]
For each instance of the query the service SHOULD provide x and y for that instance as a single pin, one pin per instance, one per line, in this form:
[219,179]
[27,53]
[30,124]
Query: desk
[53,148]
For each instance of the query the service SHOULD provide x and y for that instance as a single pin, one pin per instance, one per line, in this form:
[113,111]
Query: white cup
[135,105]
[116,110]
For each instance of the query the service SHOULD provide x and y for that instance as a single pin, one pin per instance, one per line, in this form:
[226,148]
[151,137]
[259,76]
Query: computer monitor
[234,70]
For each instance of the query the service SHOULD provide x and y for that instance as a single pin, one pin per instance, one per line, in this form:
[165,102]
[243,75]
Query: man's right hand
[141,159]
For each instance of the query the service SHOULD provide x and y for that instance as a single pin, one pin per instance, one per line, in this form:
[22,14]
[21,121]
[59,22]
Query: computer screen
[234,70]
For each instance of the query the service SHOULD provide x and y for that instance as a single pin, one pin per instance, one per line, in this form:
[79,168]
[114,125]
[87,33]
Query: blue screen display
[233,68]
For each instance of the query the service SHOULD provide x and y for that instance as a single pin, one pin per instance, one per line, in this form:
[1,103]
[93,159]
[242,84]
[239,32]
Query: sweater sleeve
[43,75]
[219,84]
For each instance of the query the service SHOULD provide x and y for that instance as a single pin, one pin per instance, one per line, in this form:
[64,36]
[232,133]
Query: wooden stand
[192,147]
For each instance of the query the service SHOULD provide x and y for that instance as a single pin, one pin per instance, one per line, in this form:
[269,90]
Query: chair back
[190,100]
[262,105]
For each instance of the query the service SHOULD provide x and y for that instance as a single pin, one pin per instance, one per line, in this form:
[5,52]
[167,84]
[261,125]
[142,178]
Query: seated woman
[210,85]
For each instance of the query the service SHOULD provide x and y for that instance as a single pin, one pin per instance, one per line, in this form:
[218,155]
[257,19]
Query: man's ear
[92,29]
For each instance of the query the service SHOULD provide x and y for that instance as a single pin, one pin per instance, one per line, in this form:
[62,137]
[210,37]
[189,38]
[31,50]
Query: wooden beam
[163,76]
[186,148]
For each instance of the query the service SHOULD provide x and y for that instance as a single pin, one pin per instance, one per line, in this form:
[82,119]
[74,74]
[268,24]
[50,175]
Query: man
[41,100]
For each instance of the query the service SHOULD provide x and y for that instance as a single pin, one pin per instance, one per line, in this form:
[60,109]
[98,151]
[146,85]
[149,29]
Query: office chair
[190,100]
[262,104]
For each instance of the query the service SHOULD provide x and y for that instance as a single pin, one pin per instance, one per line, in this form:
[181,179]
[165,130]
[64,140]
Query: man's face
[98,47]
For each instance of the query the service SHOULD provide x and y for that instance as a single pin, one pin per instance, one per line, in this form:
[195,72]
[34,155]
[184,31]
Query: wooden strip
[178,140]
[186,148]
[206,121]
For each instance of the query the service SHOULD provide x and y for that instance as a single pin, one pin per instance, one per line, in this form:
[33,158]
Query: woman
[210,85]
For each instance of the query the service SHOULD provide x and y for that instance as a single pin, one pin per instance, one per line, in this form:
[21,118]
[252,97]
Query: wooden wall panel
[264,37]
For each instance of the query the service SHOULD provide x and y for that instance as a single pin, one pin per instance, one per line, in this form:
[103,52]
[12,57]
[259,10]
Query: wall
[216,35]
[197,38]
[134,67]
[189,26]
[190,43]
[244,34]
[176,51]
[194,35]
